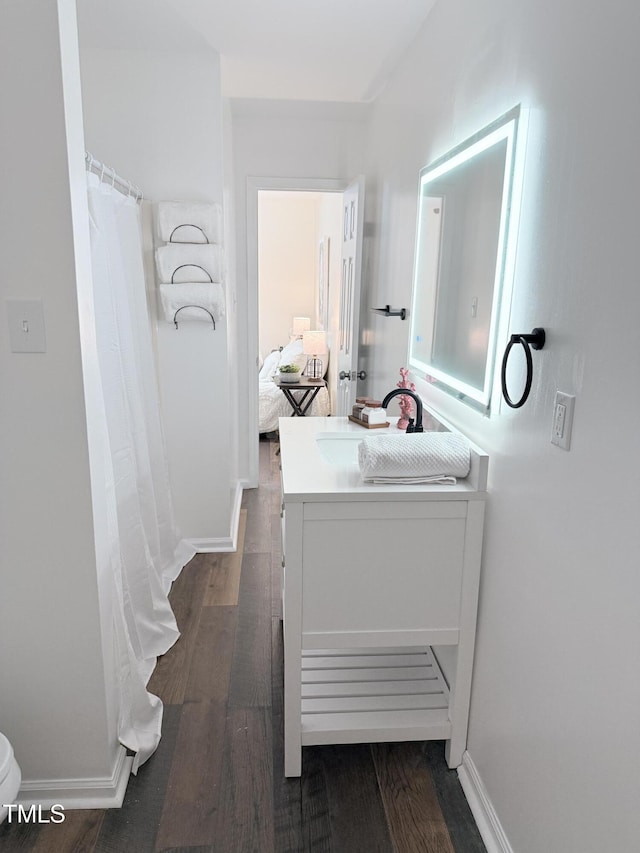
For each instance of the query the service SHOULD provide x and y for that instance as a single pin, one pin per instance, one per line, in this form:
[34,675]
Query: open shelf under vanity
[385,694]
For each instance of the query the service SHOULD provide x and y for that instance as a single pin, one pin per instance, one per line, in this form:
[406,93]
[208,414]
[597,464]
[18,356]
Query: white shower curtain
[146,551]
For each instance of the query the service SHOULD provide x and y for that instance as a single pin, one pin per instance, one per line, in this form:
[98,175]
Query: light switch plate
[562,420]
[26,325]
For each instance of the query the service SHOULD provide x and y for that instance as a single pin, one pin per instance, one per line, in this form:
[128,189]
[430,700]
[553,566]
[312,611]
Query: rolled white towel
[207,296]
[184,263]
[189,222]
[428,457]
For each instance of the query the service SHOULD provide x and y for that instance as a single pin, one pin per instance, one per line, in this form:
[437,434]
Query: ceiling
[317,50]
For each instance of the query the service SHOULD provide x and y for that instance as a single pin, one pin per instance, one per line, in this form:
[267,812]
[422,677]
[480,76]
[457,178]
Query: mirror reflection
[463,213]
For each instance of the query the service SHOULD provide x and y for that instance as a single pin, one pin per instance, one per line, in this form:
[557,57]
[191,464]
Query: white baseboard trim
[486,818]
[80,793]
[223,543]
[235,513]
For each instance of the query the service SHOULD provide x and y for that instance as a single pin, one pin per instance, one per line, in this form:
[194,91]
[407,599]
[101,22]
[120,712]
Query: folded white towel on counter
[415,481]
[427,457]
[207,296]
[189,222]
[187,262]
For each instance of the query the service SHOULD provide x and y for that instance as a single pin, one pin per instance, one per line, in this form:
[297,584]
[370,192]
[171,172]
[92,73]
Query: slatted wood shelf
[379,694]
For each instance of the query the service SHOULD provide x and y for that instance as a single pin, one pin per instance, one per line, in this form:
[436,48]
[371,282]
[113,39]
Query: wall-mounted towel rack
[388,311]
[190,261]
[175,316]
[536,339]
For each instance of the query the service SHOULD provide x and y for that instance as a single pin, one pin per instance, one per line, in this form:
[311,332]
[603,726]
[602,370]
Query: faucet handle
[412,428]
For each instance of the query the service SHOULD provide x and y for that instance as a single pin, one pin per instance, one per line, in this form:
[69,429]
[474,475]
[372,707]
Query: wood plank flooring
[216,782]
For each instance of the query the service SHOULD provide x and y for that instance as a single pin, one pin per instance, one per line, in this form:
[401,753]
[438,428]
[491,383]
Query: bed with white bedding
[272,404]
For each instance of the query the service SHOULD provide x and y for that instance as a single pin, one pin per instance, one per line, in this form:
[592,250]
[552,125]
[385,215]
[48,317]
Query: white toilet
[10,776]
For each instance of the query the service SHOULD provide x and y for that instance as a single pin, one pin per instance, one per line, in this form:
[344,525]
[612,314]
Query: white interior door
[349,314]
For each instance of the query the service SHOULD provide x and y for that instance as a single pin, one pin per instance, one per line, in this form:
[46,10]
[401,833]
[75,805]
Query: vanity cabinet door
[292,630]
[292,534]
[283,539]
[383,568]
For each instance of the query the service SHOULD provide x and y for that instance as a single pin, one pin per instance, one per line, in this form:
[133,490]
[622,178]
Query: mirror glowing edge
[462,266]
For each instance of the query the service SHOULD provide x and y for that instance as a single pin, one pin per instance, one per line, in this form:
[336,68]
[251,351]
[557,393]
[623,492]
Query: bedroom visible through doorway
[299,250]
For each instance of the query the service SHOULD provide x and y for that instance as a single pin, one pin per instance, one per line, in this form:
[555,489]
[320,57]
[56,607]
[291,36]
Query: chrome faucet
[399,392]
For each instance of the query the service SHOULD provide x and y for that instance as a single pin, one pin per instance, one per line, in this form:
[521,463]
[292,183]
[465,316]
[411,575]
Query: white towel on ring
[207,296]
[427,457]
[175,217]
[187,262]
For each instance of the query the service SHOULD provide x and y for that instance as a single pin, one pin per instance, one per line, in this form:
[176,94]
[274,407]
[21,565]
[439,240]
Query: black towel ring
[536,339]
[193,306]
[182,266]
[188,225]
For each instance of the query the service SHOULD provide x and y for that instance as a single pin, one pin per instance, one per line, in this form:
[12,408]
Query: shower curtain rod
[110,176]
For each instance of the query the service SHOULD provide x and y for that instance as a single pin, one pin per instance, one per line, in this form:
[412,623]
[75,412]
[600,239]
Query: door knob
[351,374]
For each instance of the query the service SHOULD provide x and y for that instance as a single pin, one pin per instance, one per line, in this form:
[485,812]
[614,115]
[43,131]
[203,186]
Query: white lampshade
[300,325]
[314,343]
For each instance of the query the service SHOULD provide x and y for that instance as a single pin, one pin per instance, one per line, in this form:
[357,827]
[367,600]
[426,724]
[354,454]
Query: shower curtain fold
[146,552]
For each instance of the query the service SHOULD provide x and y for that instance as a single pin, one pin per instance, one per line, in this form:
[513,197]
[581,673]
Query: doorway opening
[299,248]
[294,237]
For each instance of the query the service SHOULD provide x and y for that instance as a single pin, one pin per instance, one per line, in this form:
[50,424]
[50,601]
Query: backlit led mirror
[462,245]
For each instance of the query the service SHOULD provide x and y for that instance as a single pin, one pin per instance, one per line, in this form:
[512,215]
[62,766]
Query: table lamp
[314,343]
[299,326]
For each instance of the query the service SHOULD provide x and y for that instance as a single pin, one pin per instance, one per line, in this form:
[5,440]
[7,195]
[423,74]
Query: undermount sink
[339,448]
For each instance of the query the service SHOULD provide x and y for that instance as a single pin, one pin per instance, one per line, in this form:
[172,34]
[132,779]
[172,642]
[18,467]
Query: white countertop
[306,476]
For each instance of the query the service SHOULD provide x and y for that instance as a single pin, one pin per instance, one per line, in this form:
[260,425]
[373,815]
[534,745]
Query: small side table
[309,388]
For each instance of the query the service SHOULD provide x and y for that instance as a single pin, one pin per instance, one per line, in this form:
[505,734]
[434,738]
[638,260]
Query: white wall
[284,140]
[288,264]
[57,701]
[556,696]
[291,226]
[156,116]
[228,207]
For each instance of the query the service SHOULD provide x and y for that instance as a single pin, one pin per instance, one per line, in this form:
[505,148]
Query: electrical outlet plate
[562,420]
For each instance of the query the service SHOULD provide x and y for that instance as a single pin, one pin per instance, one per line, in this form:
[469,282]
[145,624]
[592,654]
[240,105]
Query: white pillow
[269,366]
[292,354]
[292,349]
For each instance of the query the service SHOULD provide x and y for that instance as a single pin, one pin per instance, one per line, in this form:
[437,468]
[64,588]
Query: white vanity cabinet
[378,580]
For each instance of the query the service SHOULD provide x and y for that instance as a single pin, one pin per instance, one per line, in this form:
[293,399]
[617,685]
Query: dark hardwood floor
[216,782]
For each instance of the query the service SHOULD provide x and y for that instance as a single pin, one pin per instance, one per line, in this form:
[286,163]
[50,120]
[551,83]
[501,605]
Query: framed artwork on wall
[323,283]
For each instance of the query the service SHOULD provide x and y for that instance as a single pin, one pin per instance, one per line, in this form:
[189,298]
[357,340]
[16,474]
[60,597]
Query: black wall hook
[175,316]
[388,311]
[535,341]
[197,266]
[188,225]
